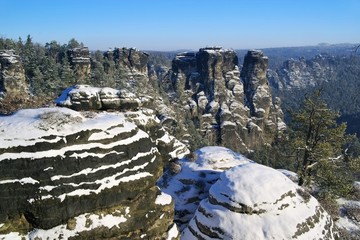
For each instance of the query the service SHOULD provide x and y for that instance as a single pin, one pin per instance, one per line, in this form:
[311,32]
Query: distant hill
[278,55]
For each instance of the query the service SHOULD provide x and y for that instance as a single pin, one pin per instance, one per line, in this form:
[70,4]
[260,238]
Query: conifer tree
[317,139]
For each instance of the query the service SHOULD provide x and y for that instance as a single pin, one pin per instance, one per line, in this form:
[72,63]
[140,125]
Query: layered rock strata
[82,175]
[12,74]
[81,63]
[85,97]
[252,201]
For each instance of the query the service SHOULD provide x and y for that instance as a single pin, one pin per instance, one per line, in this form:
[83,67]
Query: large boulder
[85,97]
[252,201]
[83,175]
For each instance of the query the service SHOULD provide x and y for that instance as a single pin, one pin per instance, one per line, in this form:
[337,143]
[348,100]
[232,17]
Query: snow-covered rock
[12,74]
[95,172]
[85,97]
[252,201]
[199,171]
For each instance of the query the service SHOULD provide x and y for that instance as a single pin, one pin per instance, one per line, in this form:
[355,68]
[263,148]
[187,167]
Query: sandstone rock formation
[208,84]
[81,63]
[12,74]
[301,73]
[84,174]
[220,194]
[197,173]
[252,201]
[130,58]
[85,97]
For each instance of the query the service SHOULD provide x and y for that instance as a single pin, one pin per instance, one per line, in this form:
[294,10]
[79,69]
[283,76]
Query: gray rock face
[12,74]
[208,84]
[300,73]
[93,172]
[256,87]
[130,58]
[80,61]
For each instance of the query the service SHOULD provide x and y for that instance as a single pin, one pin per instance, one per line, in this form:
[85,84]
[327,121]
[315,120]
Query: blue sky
[183,24]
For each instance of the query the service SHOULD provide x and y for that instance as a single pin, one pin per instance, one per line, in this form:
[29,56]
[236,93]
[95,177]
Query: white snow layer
[197,175]
[163,199]
[44,122]
[252,201]
[84,222]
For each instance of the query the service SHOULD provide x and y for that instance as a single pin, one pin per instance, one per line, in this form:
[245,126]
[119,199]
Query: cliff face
[84,174]
[300,73]
[81,63]
[12,74]
[207,86]
[130,58]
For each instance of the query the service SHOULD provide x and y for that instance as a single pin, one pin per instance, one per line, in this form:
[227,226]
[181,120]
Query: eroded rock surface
[81,63]
[12,74]
[206,86]
[301,73]
[72,174]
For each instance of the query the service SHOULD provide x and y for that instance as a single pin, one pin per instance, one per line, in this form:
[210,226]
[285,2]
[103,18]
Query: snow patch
[163,199]
[22,181]
[173,233]
[84,222]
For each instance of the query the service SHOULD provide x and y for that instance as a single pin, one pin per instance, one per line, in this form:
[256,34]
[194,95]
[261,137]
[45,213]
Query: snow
[22,181]
[291,175]
[173,233]
[163,199]
[84,222]
[109,182]
[231,181]
[61,152]
[350,225]
[251,201]
[196,176]
[11,236]
[87,171]
[44,122]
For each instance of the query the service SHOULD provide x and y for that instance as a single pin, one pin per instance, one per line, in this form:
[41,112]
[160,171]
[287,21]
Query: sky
[182,24]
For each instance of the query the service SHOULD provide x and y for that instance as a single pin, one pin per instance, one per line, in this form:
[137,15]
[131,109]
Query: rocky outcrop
[81,63]
[208,84]
[129,58]
[84,174]
[252,201]
[12,74]
[85,97]
[188,180]
[301,73]
[220,194]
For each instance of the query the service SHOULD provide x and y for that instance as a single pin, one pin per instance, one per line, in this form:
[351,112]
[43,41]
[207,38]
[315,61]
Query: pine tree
[317,140]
